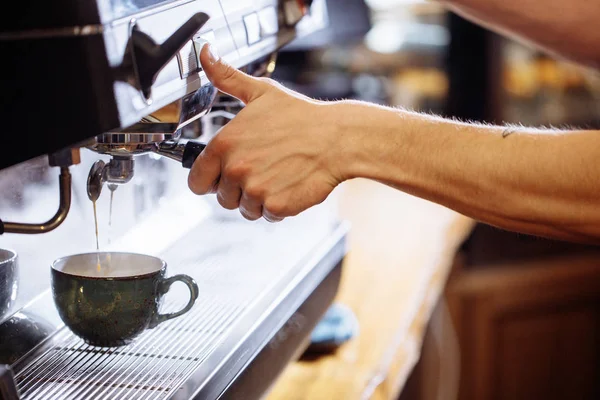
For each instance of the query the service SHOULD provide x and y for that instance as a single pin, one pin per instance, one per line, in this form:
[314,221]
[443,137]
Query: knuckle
[276,208]
[255,192]
[226,203]
[237,170]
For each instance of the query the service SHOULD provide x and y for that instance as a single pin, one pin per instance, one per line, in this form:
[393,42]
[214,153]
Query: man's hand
[277,157]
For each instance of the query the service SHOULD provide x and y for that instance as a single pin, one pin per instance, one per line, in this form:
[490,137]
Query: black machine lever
[149,58]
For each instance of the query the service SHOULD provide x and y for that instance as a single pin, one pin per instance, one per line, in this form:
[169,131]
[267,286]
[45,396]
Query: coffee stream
[112,192]
[98,267]
[96,224]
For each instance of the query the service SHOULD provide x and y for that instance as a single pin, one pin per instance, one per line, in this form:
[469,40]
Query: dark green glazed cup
[109,298]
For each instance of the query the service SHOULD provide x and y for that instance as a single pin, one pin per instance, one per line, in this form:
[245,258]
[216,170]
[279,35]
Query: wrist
[346,153]
[368,136]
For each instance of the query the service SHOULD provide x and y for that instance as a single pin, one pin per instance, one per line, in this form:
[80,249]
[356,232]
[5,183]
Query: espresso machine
[105,104]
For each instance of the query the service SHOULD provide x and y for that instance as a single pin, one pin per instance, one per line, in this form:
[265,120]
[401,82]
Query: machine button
[269,25]
[238,33]
[252,25]
[200,41]
[187,60]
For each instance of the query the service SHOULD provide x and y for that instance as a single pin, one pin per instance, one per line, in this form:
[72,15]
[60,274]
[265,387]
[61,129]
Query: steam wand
[63,159]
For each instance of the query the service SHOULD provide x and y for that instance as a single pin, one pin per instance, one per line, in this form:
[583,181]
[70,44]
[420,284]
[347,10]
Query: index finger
[205,173]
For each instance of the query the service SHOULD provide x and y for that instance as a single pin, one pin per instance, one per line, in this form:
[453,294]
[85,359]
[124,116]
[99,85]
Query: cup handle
[166,285]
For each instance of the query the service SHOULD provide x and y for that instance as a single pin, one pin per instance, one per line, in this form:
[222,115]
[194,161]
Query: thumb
[228,79]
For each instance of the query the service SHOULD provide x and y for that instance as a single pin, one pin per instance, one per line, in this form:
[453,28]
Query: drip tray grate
[236,266]
[150,367]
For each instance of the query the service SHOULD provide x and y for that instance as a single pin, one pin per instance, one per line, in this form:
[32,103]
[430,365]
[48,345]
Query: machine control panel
[187,60]
[261,24]
[200,41]
[252,25]
[269,23]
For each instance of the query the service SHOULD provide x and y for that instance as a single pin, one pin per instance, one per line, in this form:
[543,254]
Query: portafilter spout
[119,170]
[149,136]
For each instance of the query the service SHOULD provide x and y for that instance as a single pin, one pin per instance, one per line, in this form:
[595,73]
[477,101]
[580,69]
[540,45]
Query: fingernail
[270,217]
[213,56]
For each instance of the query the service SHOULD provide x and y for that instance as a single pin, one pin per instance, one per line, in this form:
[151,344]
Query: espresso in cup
[109,298]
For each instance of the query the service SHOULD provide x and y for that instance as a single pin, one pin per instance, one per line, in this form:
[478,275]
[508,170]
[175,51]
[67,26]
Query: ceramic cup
[8,281]
[109,298]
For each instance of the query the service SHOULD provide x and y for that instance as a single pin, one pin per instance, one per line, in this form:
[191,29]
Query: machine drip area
[152,135]
[284,275]
[142,110]
[180,141]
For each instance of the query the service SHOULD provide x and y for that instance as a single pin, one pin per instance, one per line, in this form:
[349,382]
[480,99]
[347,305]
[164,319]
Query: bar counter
[401,251]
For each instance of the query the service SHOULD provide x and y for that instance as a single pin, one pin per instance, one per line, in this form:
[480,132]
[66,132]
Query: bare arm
[284,153]
[541,182]
[568,28]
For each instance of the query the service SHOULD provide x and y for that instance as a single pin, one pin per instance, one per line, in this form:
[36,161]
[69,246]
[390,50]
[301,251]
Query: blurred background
[520,316]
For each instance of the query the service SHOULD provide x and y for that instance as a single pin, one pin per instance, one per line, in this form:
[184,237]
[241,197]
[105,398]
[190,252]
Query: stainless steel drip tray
[250,286]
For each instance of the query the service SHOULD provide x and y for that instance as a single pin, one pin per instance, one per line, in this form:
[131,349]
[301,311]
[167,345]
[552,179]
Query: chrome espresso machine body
[106,94]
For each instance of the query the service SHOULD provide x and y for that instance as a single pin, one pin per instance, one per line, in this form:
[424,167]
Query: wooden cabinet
[529,330]
[526,329]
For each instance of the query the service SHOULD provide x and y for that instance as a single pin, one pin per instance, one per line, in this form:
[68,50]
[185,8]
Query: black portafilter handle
[191,151]
[184,151]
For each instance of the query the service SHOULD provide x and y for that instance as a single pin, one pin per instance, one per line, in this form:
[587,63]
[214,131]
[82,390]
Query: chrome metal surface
[118,171]
[142,137]
[251,281]
[95,180]
[197,105]
[137,139]
[105,45]
[148,136]
[171,149]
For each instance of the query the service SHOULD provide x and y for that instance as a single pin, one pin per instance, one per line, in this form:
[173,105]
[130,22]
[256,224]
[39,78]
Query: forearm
[539,182]
[566,28]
